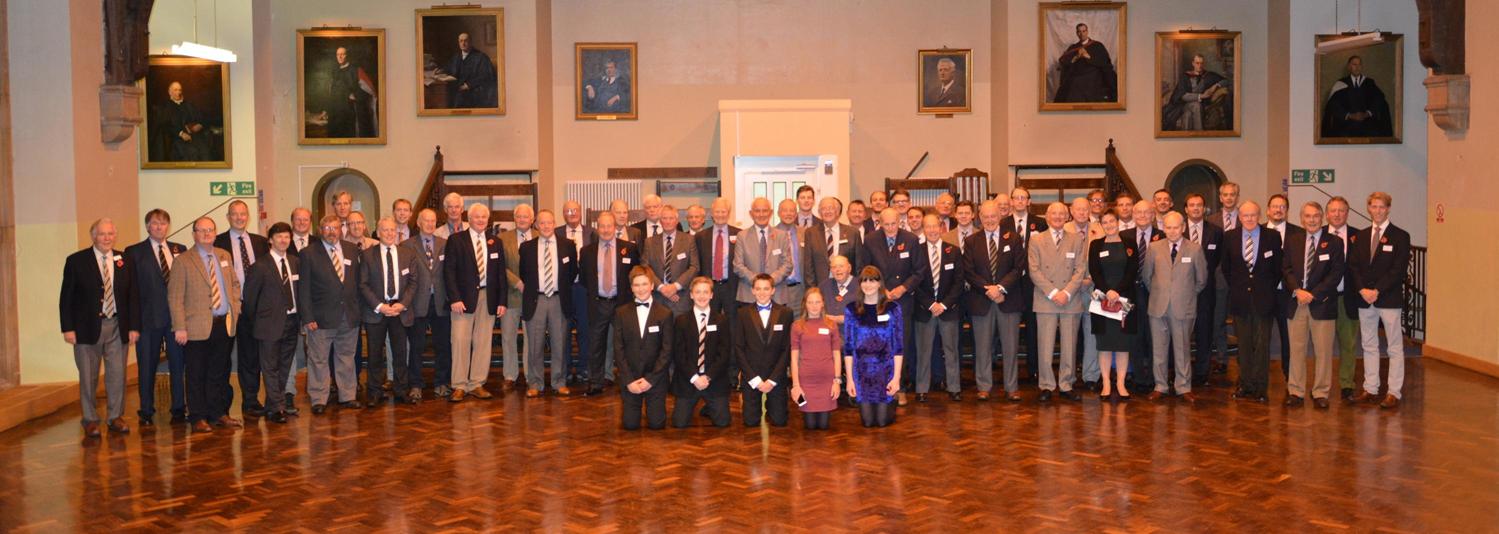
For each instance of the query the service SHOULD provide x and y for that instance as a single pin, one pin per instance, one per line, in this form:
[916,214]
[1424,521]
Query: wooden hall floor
[563,464]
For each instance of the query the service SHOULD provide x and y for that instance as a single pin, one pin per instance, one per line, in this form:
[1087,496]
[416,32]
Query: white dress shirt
[160,249]
[279,260]
[641,313]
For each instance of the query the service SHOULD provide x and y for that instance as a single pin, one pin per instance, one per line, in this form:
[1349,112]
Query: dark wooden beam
[1442,24]
[660,173]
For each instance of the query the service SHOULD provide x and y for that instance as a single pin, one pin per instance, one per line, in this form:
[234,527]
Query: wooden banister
[1115,178]
[432,190]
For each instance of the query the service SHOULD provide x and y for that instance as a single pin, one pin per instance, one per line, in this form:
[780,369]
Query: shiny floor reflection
[562,464]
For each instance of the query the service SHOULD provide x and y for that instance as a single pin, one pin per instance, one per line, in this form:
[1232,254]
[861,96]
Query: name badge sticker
[1324,257]
[1071,255]
[652,329]
[733,239]
[905,255]
[225,264]
[1186,259]
[822,331]
[778,327]
[1388,248]
[1269,253]
[1007,248]
[441,257]
[682,256]
[1103,254]
[564,260]
[348,262]
[1212,246]
[296,277]
[626,261]
[405,272]
[883,318]
[947,267]
[776,252]
[494,255]
[712,328]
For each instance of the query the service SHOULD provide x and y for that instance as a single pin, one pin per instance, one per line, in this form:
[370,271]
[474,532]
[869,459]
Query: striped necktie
[109,286]
[702,341]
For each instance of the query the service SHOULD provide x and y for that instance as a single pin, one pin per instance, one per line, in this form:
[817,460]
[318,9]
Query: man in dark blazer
[95,308]
[328,298]
[937,309]
[652,225]
[762,344]
[1313,268]
[1276,209]
[1210,237]
[428,310]
[604,268]
[1141,236]
[827,230]
[387,285]
[700,358]
[1378,259]
[897,253]
[642,349]
[301,230]
[271,304]
[580,234]
[1253,269]
[672,256]
[1347,323]
[477,290]
[548,266]
[1226,218]
[715,249]
[152,258]
[994,269]
[1022,224]
[245,247]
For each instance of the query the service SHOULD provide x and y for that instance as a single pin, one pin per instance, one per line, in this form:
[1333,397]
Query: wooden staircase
[491,184]
[1056,182]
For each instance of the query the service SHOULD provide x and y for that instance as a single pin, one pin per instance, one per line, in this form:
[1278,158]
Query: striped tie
[702,341]
[166,266]
[832,245]
[214,289]
[666,262]
[479,259]
[934,253]
[1249,252]
[994,256]
[548,286]
[1196,238]
[338,262]
[1311,250]
[109,286]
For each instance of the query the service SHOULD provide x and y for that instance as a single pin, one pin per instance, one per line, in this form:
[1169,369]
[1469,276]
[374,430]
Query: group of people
[807,304]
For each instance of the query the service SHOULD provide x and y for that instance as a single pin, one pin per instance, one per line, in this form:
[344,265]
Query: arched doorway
[1195,176]
[358,184]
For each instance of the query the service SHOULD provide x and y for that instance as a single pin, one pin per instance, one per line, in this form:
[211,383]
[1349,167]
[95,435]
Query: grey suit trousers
[1177,335]
[1048,325]
[989,329]
[948,326]
[547,322]
[110,352]
[342,341]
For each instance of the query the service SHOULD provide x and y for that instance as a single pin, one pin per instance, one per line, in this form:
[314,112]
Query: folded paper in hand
[1116,310]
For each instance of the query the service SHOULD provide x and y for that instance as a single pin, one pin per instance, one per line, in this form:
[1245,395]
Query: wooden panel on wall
[10,352]
[659,173]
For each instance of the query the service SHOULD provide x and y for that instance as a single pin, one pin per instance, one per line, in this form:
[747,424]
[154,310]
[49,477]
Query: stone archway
[1195,176]
[357,183]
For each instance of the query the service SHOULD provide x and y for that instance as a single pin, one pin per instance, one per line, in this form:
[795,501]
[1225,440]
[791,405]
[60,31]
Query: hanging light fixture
[1348,42]
[195,49]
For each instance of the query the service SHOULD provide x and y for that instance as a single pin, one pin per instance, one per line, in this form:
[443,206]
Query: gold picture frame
[183,135]
[363,120]
[1214,111]
[1382,65]
[932,98]
[1108,26]
[440,91]
[590,64]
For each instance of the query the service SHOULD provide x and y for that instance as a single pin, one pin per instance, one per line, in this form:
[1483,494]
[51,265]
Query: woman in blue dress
[872,347]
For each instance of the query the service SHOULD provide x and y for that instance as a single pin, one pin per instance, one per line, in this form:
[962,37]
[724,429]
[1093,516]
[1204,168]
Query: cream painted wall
[399,167]
[1461,314]
[695,53]
[1397,169]
[1080,137]
[184,193]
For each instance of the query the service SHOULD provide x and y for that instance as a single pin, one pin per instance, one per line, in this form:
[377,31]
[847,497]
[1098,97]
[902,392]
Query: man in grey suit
[428,311]
[672,255]
[1176,270]
[328,300]
[510,241]
[789,292]
[763,249]
[1057,268]
[621,211]
[827,238]
[387,282]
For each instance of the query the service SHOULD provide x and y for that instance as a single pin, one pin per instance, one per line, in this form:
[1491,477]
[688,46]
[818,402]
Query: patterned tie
[1249,251]
[934,255]
[109,286]
[666,261]
[245,261]
[654,230]
[1020,228]
[1196,237]
[390,273]
[1173,253]
[1056,238]
[427,244]
[1141,237]
[702,341]
[548,285]
[1311,249]
[286,292]
[832,245]
[607,271]
[216,292]
[994,256]
[764,250]
[720,247]
[1374,244]
[338,261]
[166,266]
[479,260]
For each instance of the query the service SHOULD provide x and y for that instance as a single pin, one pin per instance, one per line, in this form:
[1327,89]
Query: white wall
[1399,169]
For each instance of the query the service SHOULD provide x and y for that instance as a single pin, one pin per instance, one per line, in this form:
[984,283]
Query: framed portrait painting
[461,54]
[605,74]
[1197,84]
[943,76]
[186,111]
[1082,55]
[341,86]
[1360,93]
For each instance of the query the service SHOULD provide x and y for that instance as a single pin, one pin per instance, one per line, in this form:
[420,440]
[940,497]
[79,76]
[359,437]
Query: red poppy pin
[1155,237]
[838,298]
[901,246]
[947,250]
[1007,235]
[1383,240]
[623,252]
[119,263]
[491,241]
[1323,245]
[1353,238]
[1129,252]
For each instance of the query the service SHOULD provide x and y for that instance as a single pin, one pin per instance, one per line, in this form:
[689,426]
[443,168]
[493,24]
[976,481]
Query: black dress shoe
[291,410]
[178,419]
[1092,386]
[254,411]
[955,397]
[1320,403]
[318,409]
[1070,395]
[291,399]
[1294,401]
[1045,396]
[593,391]
[277,417]
[374,403]
[147,422]
[1347,393]
[920,397]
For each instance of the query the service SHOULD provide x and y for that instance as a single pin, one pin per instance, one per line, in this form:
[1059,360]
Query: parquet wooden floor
[513,464]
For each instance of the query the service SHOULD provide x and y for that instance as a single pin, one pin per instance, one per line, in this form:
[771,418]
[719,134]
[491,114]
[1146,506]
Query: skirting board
[1462,360]
[24,403]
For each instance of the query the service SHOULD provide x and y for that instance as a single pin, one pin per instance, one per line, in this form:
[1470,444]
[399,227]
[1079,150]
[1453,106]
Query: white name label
[296,277]
[1186,259]
[778,327]
[1324,257]
[822,331]
[733,239]
[346,262]
[712,328]
[905,255]
[1212,246]
[1007,248]
[682,256]
[565,259]
[1103,254]
[405,272]
[883,318]
[441,257]
[776,252]
[947,267]
[653,329]
[494,255]
[1388,248]
[226,264]
[1071,255]
[626,261]
[1269,253]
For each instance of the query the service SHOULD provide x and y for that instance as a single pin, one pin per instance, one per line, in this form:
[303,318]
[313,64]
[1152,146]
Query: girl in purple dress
[815,365]
[872,346]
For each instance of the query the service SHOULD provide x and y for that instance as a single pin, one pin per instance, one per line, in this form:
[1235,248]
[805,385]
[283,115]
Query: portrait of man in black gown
[1087,72]
[342,86]
[1082,55]
[605,72]
[1356,106]
[186,122]
[462,59]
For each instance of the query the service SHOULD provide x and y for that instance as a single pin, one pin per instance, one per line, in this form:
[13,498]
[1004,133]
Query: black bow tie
[645,304]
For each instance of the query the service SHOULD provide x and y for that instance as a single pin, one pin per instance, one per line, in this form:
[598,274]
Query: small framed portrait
[943,76]
[1082,55]
[606,81]
[1360,93]
[1197,84]
[341,86]
[186,110]
[461,55]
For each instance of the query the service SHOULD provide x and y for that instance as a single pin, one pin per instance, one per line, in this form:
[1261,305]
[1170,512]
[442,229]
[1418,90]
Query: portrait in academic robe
[461,61]
[1359,93]
[186,109]
[341,86]
[1082,55]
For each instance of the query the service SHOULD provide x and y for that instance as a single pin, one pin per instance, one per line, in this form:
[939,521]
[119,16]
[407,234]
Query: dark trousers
[148,350]
[908,330]
[717,404]
[724,298]
[1254,358]
[600,313]
[276,357]
[579,322]
[774,402]
[1203,332]
[442,351]
[386,327]
[1028,341]
[655,408]
[1282,328]
[208,363]
[247,364]
[1140,376]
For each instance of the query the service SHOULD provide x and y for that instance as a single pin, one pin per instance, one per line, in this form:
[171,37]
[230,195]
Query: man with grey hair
[387,283]
[672,256]
[697,219]
[1058,265]
[1142,235]
[510,241]
[474,274]
[1175,270]
[948,90]
[622,228]
[652,224]
[452,206]
[96,312]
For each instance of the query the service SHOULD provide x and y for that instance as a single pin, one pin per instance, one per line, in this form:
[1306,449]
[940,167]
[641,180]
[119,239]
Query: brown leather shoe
[230,422]
[457,396]
[481,393]
[1390,402]
[1013,396]
[983,395]
[1363,397]
[91,430]
[1189,398]
[533,393]
[118,426]
[1153,396]
[202,427]
[508,385]
[564,392]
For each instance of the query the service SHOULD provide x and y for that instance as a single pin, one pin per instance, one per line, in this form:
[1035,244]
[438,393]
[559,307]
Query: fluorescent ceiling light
[188,48]
[1350,42]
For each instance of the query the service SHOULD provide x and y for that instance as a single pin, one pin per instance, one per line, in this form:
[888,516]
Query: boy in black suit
[700,360]
[642,348]
[762,334]
[1377,260]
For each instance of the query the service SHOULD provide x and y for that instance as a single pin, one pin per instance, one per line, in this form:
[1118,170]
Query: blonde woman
[815,362]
